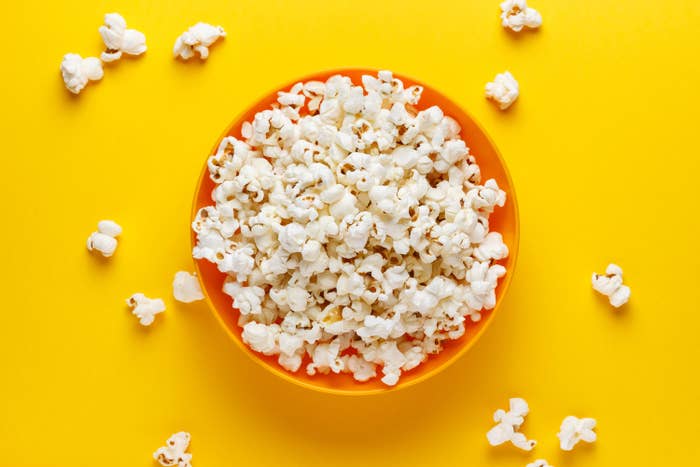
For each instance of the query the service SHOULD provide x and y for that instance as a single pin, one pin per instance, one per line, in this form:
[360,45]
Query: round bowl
[504,220]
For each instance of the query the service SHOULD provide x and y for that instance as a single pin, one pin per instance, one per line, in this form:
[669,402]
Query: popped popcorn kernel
[144,308]
[118,39]
[186,288]
[539,463]
[515,15]
[610,284]
[507,425]
[174,452]
[197,39]
[109,227]
[353,229]
[574,429]
[504,90]
[104,239]
[78,71]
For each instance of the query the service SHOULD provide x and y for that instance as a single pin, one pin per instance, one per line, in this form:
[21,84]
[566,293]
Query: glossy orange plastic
[504,220]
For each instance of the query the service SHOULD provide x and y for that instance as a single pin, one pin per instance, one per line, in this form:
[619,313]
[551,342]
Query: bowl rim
[505,284]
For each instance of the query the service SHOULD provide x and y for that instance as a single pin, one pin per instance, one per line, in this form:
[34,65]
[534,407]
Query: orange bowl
[504,220]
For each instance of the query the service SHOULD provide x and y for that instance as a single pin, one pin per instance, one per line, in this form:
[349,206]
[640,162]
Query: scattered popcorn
[611,285]
[575,429]
[515,14]
[174,453]
[197,39]
[77,71]
[353,229]
[503,90]
[539,463]
[186,287]
[120,40]
[103,243]
[104,239]
[508,424]
[110,228]
[144,308]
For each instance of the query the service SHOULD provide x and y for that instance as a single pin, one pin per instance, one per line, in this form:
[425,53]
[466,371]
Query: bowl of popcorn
[354,232]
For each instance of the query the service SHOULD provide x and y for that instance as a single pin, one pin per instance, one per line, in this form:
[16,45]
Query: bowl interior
[504,220]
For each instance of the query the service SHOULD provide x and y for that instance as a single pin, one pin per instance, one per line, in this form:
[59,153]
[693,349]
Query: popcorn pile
[354,228]
[611,285]
[174,453]
[105,239]
[508,424]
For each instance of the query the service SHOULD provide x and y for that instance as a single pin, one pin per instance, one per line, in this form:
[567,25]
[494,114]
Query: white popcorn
[508,424]
[504,90]
[110,228]
[575,429]
[248,300]
[515,15]
[103,243]
[197,39]
[186,287]
[492,247]
[483,278]
[174,452]
[144,308]
[610,285]
[260,337]
[361,369]
[539,463]
[104,239]
[118,39]
[353,229]
[77,71]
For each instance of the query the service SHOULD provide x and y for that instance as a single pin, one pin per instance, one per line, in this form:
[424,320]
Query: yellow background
[603,148]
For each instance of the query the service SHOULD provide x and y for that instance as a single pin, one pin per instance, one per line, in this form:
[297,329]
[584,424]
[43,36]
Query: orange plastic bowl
[504,220]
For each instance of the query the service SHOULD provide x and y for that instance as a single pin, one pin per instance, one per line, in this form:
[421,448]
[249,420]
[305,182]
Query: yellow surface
[602,146]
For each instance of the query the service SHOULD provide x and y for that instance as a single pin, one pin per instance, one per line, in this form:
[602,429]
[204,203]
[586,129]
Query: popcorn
[102,243]
[492,247]
[353,229]
[611,285]
[120,40]
[508,424]
[77,71]
[261,338]
[144,308]
[361,369]
[186,287]
[174,453]
[197,39]
[104,239]
[539,463]
[503,90]
[110,228]
[575,429]
[515,14]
